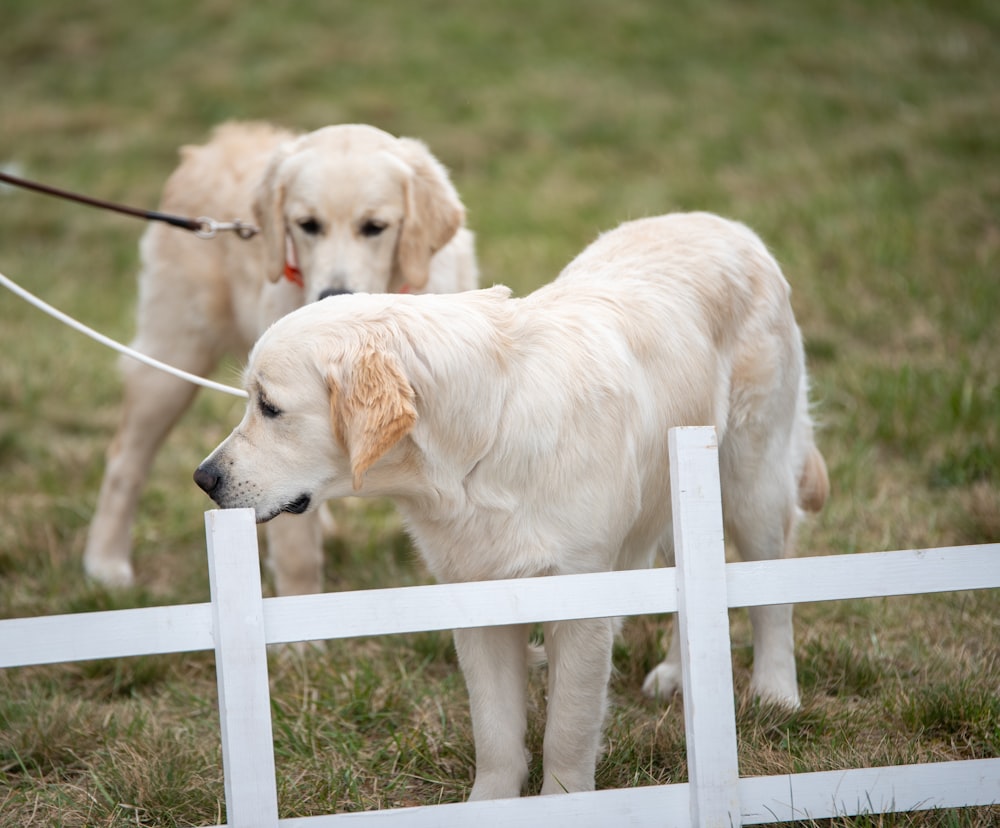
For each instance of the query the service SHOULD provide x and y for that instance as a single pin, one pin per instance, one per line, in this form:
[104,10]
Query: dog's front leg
[579,656]
[494,663]
[295,553]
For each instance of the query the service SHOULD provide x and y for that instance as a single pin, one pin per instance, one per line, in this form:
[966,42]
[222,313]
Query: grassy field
[860,140]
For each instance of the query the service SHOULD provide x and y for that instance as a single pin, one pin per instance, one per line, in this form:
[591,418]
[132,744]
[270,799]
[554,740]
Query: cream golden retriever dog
[342,209]
[526,437]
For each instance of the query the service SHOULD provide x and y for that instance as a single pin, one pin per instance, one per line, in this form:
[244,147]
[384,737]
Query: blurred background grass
[860,140]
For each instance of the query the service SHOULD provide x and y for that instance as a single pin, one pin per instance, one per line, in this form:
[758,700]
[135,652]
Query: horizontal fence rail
[784,798]
[188,627]
[238,624]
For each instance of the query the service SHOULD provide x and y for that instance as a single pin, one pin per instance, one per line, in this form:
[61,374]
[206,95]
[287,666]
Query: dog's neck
[455,430]
[445,477]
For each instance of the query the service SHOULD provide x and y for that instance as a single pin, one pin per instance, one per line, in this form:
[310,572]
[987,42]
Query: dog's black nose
[334,292]
[206,479]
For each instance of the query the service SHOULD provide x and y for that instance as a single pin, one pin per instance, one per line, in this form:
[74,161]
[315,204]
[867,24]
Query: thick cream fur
[526,437]
[200,299]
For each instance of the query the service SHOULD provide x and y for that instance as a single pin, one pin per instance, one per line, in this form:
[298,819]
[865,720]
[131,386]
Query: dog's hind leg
[774,674]
[665,680]
[153,403]
[295,553]
[760,518]
[183,319]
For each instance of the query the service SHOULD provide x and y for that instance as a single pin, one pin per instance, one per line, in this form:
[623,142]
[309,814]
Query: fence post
[703,616]
[241,669]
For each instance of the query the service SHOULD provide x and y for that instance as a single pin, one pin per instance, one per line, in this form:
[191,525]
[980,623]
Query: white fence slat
[827,794]
[864,575]
[707,670]
[54,639]
[241,669]
[479,604]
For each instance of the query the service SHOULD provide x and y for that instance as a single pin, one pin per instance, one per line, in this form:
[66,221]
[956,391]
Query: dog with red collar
[343,209]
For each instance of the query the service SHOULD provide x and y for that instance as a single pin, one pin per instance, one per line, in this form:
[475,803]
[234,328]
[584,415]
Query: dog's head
[355,209]
[326,404]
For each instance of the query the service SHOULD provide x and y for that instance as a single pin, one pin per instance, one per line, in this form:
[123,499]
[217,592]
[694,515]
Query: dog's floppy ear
[434,213]
[268,211]
[372,411]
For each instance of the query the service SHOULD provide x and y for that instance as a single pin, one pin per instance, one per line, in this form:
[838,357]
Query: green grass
[860,140]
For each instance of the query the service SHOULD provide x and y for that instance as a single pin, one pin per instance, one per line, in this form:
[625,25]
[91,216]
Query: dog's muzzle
[210,482]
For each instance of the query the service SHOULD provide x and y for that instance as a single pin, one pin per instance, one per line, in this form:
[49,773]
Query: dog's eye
[372,228]
[268,410]
[310,226]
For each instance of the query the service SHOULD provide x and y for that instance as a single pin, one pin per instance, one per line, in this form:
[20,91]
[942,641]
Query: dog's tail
[814,482]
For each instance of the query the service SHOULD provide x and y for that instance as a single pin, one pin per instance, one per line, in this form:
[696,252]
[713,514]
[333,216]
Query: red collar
[294,274]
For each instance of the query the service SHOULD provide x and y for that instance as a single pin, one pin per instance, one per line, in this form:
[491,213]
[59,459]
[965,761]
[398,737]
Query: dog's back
[218,176]
[670,321]
[724,301]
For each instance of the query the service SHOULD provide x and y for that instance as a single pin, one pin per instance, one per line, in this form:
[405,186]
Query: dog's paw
[112,574]
[571,780]
[498,786]
[781,693]
[663,682]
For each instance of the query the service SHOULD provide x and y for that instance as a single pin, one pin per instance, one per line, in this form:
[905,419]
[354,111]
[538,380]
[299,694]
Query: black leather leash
[203,227]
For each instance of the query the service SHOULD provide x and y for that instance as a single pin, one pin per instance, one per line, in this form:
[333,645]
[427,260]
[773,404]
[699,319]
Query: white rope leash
[117,346]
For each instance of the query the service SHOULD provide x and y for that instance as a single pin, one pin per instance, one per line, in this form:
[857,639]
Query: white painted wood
[52,639]
[241,669]
[479,604]
[238,624]
[655,806]
[706,659]
[766,799]
[188,628]
[870,791]
[864,575]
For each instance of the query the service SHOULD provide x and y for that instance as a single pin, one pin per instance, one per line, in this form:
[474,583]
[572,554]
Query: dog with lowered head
[526,437]
[344,209]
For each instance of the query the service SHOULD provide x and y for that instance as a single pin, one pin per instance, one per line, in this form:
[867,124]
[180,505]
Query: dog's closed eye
[372,228]
[267,409]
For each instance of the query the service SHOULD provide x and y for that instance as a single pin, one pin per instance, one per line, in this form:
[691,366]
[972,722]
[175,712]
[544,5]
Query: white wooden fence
[238,624]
